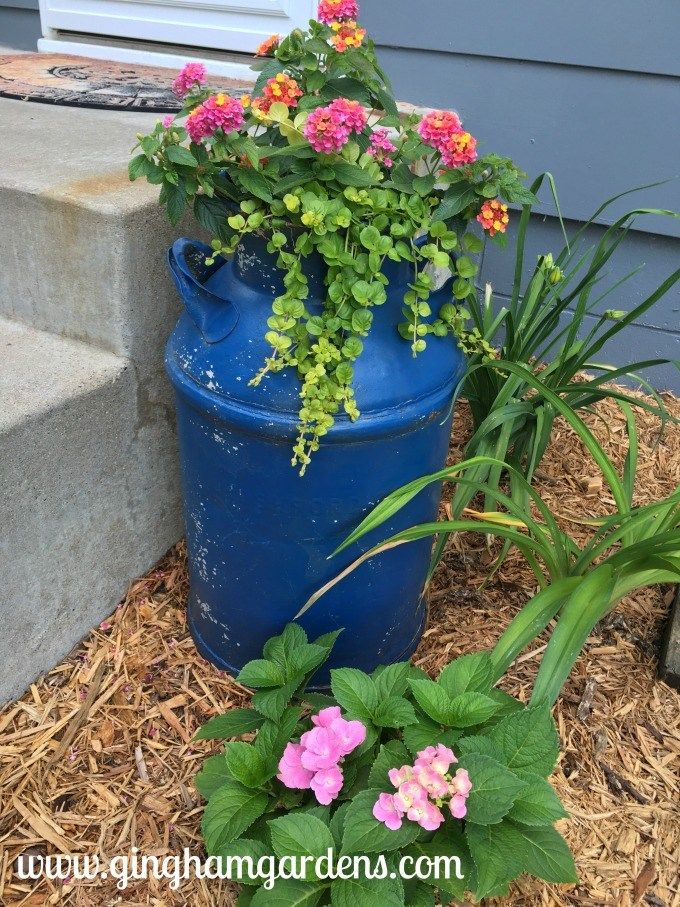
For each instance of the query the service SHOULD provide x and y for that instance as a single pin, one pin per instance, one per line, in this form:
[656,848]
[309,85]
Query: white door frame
[231,26]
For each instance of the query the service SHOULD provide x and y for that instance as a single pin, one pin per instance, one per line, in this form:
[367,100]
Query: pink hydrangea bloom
[332,10]
[423,788]
[314,762]
[458,806]
[428,816]
[461,783]
[438,758]
[291,771]
[386,812]
[381,146]
[216,112]
[460,149]
[191,74]
[167,121]
[327,784]
[324,132]
[410,794]
[437,127]
[327,716]
[321,749]
[432,781]
[399,775]
[349,734]
[349,113]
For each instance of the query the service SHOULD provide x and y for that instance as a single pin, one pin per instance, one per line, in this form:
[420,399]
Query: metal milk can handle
[214,316]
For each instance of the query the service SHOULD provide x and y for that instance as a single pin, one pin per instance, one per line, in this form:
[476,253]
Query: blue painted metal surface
[258,534]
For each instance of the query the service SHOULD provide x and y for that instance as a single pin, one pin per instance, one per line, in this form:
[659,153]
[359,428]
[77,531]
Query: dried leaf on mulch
[97,756]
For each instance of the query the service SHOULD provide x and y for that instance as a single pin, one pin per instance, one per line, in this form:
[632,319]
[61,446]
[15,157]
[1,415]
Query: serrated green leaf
[456,199]
[213,774]
[497,852]
[273,736]
[494,789]
[233,723]
[363,892]
[306,659]
[479,744]
[418,894]
[252,181]
[279,648]
[230,811]
[337,823]
[470,709]
[364,834]
[355,691]
[176,202]
[246,764]
[423,185]
[392,755]
[448,842]
[402,178]
[351,175]
[272,703]
[301,835]
[180,155]
[537,804]
[433,700]
[289,893]
[239,870]
[546,854]
[327,640]
[468,673]
[261,673]
[426,733]
[392,680]
[508,704]
[529,741]
[395,712]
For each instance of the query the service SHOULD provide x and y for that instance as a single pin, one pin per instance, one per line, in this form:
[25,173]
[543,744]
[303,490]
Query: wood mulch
[97,756]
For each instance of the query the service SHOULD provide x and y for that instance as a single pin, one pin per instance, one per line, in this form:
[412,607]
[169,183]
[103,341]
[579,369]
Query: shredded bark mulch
[97,755]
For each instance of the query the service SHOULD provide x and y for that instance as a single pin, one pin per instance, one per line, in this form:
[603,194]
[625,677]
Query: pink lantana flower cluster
[333,10]
[315,762]
[443,130]
[422,790]
[328,128]
[190,75]
[217,112]
[381,146]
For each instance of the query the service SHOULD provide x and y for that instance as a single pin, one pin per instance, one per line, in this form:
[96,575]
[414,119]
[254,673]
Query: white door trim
[234,25]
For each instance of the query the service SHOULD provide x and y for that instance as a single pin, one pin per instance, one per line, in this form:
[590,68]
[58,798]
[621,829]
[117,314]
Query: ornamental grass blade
[586,605]
[530,622]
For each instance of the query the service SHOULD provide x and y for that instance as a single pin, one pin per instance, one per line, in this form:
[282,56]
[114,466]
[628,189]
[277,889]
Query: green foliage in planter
[507,749]
[320,162]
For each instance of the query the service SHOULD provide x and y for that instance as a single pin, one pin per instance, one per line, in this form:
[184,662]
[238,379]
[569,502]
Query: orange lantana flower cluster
[346,34]
[494,217]
[268,46]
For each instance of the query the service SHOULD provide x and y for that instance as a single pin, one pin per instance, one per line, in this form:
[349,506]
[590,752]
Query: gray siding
[19,24]
[589,91]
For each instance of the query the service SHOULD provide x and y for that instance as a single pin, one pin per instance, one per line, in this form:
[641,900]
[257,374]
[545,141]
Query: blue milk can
[259,535]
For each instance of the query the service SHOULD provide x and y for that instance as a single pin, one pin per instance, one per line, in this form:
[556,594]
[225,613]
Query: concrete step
[82,248]
[89,493]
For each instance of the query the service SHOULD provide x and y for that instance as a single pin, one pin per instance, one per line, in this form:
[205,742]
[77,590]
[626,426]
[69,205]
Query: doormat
[86,82]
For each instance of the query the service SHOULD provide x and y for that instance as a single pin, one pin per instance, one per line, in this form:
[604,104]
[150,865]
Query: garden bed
[97,756]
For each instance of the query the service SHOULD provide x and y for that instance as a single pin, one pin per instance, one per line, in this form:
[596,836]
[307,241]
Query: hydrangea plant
[319,160]
[386,765]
